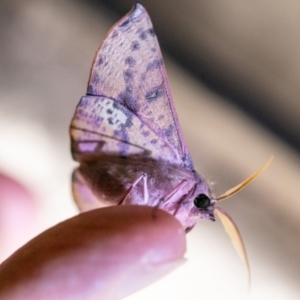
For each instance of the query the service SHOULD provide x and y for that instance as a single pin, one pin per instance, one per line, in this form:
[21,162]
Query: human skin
[18,215]
[106,253]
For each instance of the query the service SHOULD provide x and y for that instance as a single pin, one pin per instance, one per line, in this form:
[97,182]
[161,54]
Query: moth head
[204,206]
[206,203]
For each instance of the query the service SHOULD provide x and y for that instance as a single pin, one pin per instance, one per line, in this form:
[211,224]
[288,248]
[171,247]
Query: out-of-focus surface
[46,52]
[17,215]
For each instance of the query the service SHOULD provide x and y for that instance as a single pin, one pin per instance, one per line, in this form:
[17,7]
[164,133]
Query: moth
[127,139]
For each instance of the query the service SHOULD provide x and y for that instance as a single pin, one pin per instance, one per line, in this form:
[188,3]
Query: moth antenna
[236,238]
[240,186]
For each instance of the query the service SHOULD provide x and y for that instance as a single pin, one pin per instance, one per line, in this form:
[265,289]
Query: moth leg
[173,192]
[168,196]
[146,193]
[181,200]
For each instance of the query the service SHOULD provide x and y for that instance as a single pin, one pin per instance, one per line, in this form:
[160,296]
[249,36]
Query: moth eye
[202,201]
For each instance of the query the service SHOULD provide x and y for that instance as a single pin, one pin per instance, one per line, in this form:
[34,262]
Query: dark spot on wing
[154,94]
[143,78]
[130,61]
[131,103]
[168,131]
[128,76]
[109,111]
[143,34]
[157,63]
[110,121]
[153,49]
[135,46]
[114,34]
[100,61]
[96,79]
[145,133]
[152,32]
[160,117]
[154,141]
[127,99]
[125,23]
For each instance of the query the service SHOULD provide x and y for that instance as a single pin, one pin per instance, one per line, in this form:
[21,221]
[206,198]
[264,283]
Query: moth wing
[128,67]
[103,126]
[84,197]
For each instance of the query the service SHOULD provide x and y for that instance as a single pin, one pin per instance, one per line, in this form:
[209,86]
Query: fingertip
[108,252]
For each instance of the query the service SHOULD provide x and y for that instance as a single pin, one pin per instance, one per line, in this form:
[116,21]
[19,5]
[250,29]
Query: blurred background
[234,70]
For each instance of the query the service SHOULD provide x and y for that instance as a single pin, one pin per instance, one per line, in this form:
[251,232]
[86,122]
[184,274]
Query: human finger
[106,253]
